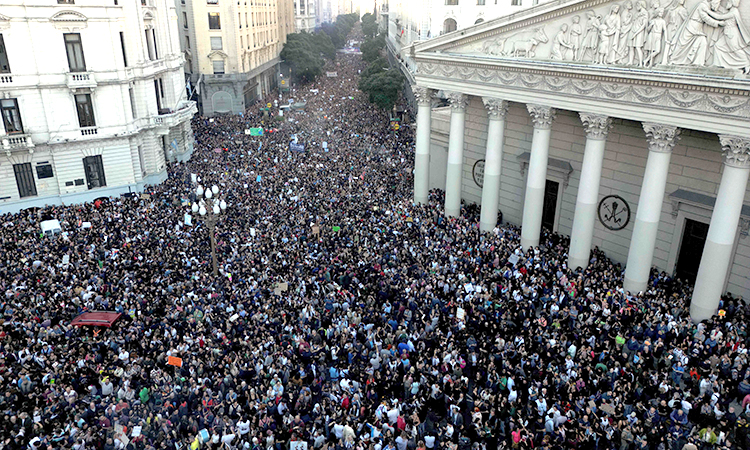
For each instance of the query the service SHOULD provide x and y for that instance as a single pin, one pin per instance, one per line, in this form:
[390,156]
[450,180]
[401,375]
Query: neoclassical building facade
[625,125]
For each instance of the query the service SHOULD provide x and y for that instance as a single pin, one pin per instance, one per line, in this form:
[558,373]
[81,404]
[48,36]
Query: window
[479,21]
[218,67]
[515,2]
[132,103]
[74,49]
[4,64]
[122,46]
[451,2]
[153,38]
[187,41]
[480,2]
[85,110]
[94,169]
[142,160]
[184,20]
[212,2]
[449,25]
[214,21]
[66,2]
[25,179]
[158,95]
[44,171]
[11,116]
[216,43]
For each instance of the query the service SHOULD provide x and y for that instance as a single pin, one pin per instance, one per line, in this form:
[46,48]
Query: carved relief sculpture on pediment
[633,33]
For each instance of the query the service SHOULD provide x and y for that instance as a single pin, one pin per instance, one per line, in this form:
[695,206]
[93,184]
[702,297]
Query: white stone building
[93,99]
[232,49]
[624,126]
[304,15]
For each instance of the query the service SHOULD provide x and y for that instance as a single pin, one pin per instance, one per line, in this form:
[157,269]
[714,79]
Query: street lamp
[209,207]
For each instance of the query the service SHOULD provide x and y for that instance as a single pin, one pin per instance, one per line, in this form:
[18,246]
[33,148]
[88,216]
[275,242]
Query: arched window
[449,25]
[479,21]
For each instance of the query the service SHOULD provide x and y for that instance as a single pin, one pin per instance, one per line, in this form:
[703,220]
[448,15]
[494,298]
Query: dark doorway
[550,205]
[691,250]
[94,171]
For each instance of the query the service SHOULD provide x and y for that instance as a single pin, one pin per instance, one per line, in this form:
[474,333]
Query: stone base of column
[532,217]
[641,256]
[453,190]
[709,284]
[421,178]
[634,286]
[490,197]
[581,236]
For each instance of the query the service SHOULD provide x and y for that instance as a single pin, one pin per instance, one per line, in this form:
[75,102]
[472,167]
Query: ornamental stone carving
[636,33]
[458,101]
[596,125]
[541,115]
[423,95]
[736,150]
[496,108]
[661,138]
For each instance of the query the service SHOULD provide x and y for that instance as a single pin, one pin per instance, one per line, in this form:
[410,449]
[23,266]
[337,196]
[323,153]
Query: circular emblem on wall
[614,212]
[478,172]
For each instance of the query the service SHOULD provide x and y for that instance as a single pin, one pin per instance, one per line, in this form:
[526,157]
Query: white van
[51,227]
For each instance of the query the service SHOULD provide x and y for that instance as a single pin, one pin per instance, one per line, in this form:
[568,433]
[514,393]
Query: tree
[369,25]
[383,88]
[374,67]
[371,48]
[303,54]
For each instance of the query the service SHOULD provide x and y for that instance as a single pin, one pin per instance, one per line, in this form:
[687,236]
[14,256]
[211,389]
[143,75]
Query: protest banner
[256,131]
[299,148]
[174,361]
[332,74]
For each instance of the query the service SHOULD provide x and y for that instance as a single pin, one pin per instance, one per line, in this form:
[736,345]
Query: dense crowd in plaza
[343,317]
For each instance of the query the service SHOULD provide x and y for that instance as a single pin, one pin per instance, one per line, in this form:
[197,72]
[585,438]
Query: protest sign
[336,228]
[297,445]
[258,178]
[174,361]
[256,131]
[332,74]
[460,314]
[296,147]
[188,219]
[248,131]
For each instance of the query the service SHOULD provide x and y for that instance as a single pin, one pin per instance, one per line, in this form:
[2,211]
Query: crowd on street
[343,316]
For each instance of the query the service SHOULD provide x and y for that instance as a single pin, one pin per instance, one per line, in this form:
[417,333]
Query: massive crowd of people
[343,317]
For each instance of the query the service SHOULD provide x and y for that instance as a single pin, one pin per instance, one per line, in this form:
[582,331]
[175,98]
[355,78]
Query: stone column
[661,141]
[422,154]
[454,170]
[717,253]
[493,160]
[533,206]
[597,126]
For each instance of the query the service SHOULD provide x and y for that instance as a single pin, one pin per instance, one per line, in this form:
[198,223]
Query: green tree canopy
[302,52]
[382,88]
[371,48]
[369,25]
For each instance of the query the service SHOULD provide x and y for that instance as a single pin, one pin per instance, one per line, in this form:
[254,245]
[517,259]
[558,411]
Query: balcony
[16,141]
[89,131]
[171,119]
[81,80]
[6,79]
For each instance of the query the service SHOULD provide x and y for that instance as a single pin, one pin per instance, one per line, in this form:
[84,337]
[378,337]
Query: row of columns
[661,139]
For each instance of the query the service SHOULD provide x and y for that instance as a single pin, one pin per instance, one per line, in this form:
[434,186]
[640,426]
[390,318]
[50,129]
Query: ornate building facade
[232,49]
[625,125]
[93,99]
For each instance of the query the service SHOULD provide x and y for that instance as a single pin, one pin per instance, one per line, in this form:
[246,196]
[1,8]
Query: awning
[96,319]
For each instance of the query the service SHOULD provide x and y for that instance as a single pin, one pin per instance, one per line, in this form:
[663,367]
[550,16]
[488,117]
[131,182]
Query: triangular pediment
[218,54]
[657,35]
